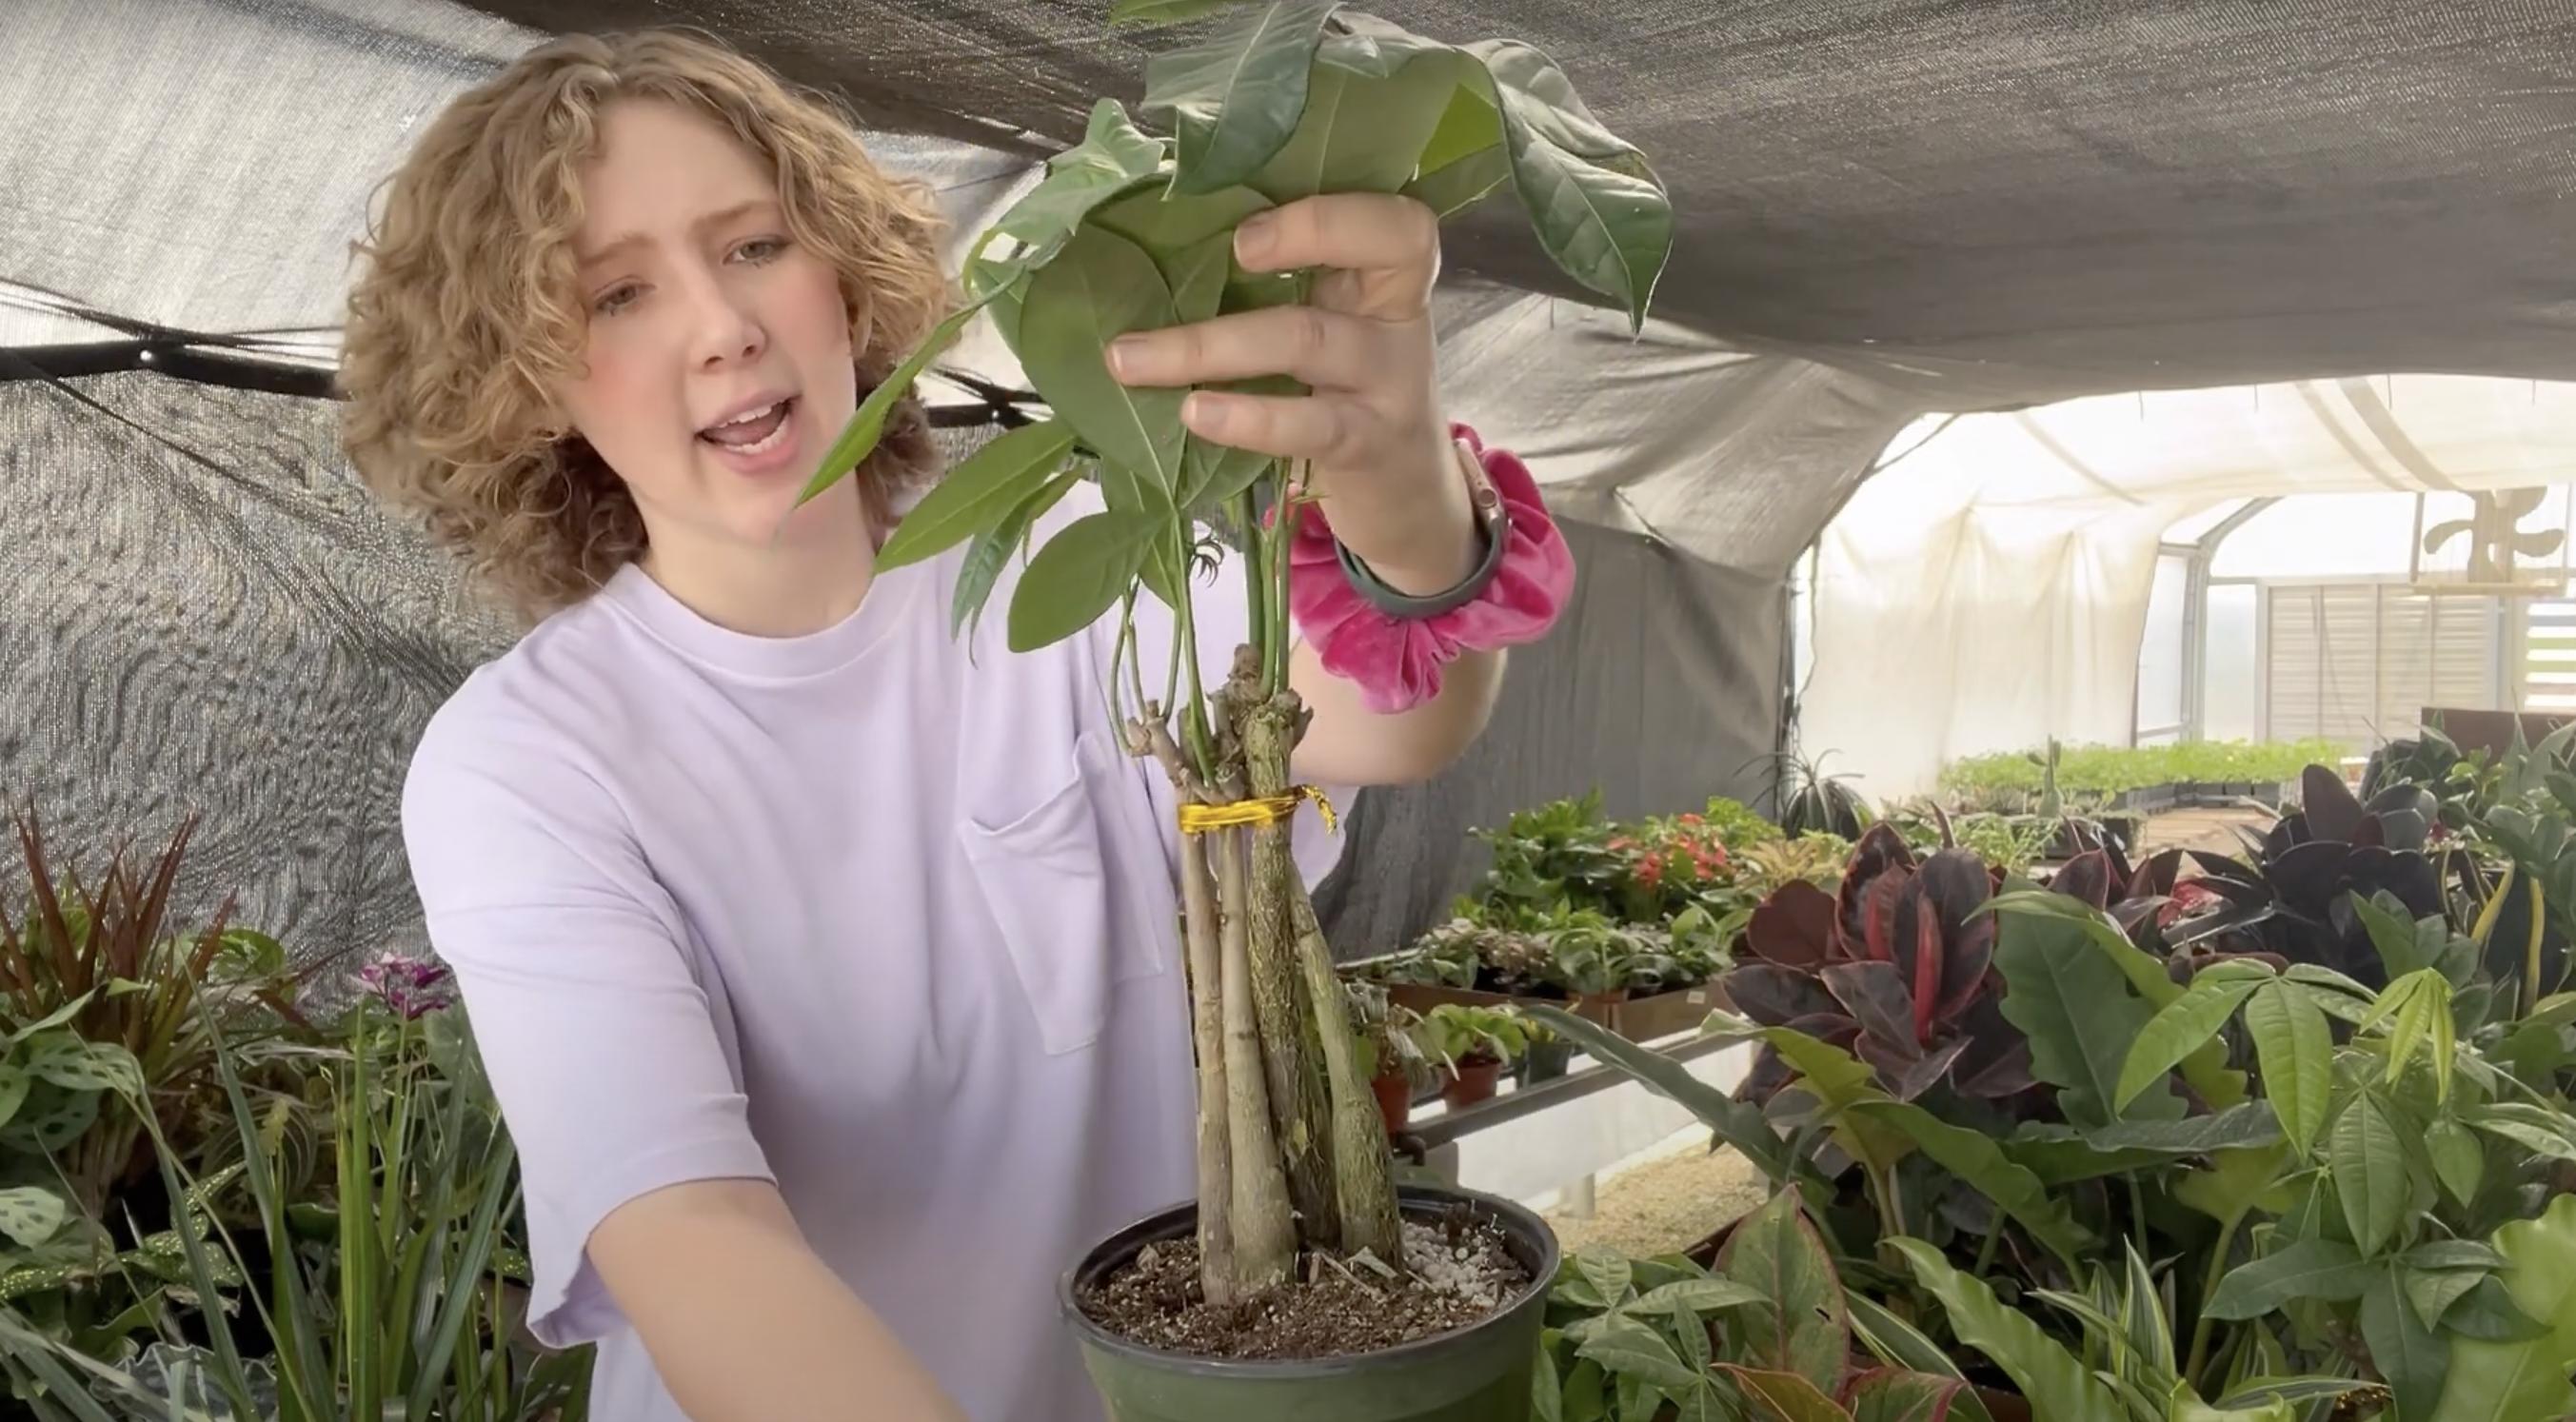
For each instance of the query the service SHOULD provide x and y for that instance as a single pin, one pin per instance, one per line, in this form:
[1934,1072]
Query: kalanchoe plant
[1130,231]
[1895,969]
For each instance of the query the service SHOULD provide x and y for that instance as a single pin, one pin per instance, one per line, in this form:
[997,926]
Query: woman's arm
[743,1322]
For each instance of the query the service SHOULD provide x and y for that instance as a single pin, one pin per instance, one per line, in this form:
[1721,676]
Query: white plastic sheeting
[1988,589]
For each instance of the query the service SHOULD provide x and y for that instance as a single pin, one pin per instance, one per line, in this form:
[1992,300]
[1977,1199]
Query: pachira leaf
[1167,224]
[2309,1269]
[991,551]
[858,439]
[1629,1349]
[1784,1397]
[1899,1395]
[1801,1326]
[1115,157]
[2432,1292]
[2081,1018]
[980,493]
[2206,1069]
[2542,1132]
[2413,1358]
[2459,1162]
[1101,287]
[2488,1313]
[2181,1027]
[2056,1383]
[2392,935]
[1598,209]
[1076,578]
[2295,1050]
[1232,99]
[1689,1298]
[1547,1391]
[2369,1172]
[1359,134]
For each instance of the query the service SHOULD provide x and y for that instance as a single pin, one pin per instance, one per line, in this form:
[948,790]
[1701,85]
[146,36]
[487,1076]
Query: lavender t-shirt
[877,915]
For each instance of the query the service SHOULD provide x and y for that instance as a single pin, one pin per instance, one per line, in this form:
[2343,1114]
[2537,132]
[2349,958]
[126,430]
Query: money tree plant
[1133,230]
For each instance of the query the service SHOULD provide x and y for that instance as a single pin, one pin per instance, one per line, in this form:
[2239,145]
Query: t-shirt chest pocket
[1059,869]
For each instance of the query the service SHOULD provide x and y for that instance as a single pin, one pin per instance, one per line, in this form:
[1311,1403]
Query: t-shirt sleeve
[1220,611]
[574,968]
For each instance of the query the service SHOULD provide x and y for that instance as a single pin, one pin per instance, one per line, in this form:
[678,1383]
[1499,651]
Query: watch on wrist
[1493,525]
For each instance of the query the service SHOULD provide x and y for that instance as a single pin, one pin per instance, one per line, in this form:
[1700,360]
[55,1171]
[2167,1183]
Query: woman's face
[717,367]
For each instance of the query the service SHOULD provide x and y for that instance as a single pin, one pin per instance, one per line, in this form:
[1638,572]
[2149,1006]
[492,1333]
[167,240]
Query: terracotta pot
[1473,1081]
[1394,1101]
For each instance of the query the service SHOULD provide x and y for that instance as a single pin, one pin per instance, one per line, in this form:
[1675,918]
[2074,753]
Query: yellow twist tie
[1267,809]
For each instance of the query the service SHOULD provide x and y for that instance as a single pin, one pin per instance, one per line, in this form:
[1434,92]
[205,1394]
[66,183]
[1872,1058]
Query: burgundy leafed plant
[1896,969]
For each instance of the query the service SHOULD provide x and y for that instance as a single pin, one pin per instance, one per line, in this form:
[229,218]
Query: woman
[823,961]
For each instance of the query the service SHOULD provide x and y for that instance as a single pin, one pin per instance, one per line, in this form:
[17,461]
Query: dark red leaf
[1879,851]
[1904,1071]
[2369,833]
[1956,884]
[1794,927]
[2157,876]
[1882,927]
[1876,996]
[1775,996]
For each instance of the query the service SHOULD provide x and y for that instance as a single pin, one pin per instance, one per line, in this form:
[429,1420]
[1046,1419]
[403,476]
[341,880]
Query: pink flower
[413,987]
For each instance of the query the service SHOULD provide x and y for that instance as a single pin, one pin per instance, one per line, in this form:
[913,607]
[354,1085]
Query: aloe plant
[1130,231]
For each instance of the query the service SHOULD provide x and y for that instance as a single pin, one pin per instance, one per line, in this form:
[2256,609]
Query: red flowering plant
[1669,865]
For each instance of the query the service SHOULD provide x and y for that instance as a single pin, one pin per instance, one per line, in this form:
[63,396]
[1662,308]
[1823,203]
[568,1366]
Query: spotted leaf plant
[1133,229]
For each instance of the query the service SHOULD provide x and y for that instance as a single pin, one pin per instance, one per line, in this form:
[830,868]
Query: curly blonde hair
[467,310]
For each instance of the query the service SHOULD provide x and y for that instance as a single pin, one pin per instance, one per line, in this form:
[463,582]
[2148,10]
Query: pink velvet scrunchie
[1396,661]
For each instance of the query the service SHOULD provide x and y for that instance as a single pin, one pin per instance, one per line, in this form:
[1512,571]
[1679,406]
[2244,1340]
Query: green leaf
[2310,1269]
[1148,14]
[2057,1385]
[1784,1397]
[1115,158]
[858,439]
[2394,937]
[1902,1346]
[2178,1030]
[2488,1312]
[2279,1389]
[980,493]
[1800,1326]
[1739,1124]
[52,1119]
[1630,1349]
[1690,1332]
[2080,1017]
[15,1083]
[2369,1172]
[1099,288]
[2409,1355]
[1979,1160]
[1607,1273]
[2458,1160]
[1465,159]
[2474,1254]
[1586,1395]
[1895,1395]
[30,1214]
[992,551]
[2295,1050]
[1168,225]
[51,1020]
[2431,1293]
[1233,99]
[2236,1181]
[1361,134]
[1076,578]
[2541,1139]
[2236,1128]
[76,1065]
[1639,1399]
[1547,1391]
[1165,571]
[1692,1297]
[1597,208]
[1702,1404]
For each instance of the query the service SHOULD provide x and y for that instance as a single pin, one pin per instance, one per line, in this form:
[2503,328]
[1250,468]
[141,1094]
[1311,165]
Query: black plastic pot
[1546,1061]
[1479,1373]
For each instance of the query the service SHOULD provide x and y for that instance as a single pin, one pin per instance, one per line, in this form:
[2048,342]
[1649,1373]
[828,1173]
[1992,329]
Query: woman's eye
[617,298]
[761,249]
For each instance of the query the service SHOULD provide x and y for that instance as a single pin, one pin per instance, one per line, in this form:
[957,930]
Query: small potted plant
[1391,1054]
[1476,1043]
[1548,1057]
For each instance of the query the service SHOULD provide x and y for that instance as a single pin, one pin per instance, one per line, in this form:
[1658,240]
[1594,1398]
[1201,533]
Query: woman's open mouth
[758,441]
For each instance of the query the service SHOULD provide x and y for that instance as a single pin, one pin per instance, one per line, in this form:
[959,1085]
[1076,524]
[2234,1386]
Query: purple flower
[410,986]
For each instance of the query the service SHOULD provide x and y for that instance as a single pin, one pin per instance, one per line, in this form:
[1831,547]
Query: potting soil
[1460,1273]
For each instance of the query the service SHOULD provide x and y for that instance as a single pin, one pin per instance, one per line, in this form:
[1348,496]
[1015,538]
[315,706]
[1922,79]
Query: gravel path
[1667,1203]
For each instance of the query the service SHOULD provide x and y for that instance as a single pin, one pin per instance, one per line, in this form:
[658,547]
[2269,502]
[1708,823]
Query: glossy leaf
[2488,1312]
[1693,1297]
[1076,578]
[2295,1050]
[2432,1292]
[2459,1162]
[993,549]
[1800,1326]
[2056,1384]
[1597,208]
[858,439]
[1628,1348]
[1979,1160]
[2392,936]
[980,493]
[1547,1391]
[2409,1355]
[1608,1273]
[2369,1172]
[1114,159]
[2309,1269]
[1901,1345]
[2541,1137]
[2236,1181]
[1233,98]
[2179,1029]
[2081,1019]
[1100,287]
[1784,1397]
[1897,1395]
